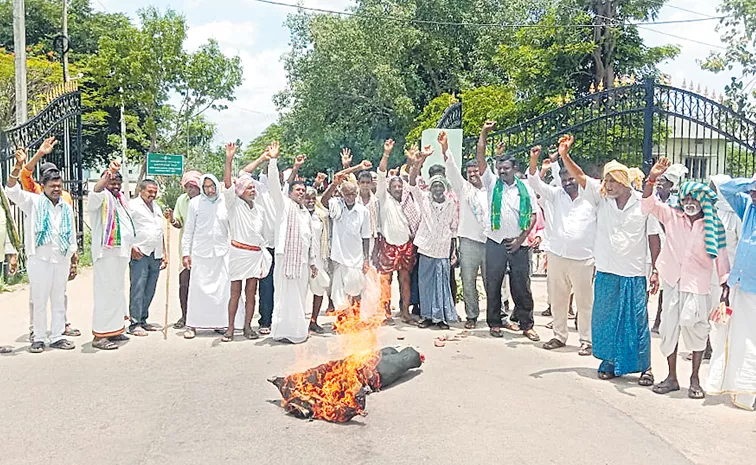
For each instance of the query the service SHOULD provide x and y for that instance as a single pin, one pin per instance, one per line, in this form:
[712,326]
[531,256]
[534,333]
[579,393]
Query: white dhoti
[289,310]
[246,264]
[733,364]
[687,314]
[110,306]
[346,282]
[48,281]
[209,292]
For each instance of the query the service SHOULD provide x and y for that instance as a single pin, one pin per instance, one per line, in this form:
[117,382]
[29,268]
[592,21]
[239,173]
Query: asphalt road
[480,400]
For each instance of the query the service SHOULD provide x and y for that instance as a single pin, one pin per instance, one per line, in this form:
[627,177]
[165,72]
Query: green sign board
[159,164]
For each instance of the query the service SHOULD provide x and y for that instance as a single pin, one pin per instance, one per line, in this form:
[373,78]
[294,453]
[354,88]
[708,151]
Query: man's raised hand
[366,164]
[443,140]
[230,151]
[47,146]
[299,161]
[535,152]
[274,150]
[500,147]
[659,168]
[488,126]
[565,143]
[21,156]
[388,146]
[346,158]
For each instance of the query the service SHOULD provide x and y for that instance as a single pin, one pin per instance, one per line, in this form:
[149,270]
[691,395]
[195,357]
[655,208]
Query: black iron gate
[60,118]
[636,124]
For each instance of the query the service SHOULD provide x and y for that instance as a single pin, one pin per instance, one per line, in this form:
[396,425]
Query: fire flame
[335,391]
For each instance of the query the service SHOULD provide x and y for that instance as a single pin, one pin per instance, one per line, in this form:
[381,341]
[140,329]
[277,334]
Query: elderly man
[512,215]
[177,217]
[294,255]
[249,260]
[350,243]
[205,251]
[148,256]
[731,370]
[624,234]
[113,235]
[50,243]
[394,250]
[694,247]
[570,250]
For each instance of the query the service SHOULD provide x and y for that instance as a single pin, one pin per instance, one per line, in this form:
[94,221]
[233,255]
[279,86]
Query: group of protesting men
[610,242]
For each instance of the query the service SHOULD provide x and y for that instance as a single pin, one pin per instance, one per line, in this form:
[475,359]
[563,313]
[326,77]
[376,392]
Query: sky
[256,33]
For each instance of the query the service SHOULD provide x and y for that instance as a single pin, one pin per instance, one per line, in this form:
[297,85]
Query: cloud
[230,35]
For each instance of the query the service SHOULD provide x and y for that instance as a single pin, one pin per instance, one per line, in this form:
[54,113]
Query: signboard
[159,164]
[430,137]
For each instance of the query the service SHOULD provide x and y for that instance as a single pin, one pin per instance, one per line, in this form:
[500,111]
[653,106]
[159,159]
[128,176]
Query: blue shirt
[744,269]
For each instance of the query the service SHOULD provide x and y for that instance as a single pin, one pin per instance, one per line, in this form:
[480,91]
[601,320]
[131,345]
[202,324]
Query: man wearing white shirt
[624,235]
[147,256]
[571,234]
[350,244]
[512,215]
[473,215]
[50,243]
[112,236]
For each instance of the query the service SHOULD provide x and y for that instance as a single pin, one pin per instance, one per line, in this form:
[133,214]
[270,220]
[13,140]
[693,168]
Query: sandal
[228,337]
[314,327]
[63,344]
[152,327]
[104,344]
[443,325]
[250,333]
[470,324]
[138,332]
[646,379]
[603,375]
[190,333]
[554,344]
[512,326]
[71,332]
[665,388]
[410,321]
[696,393]
[6,349]
[425,324]
[585,350]
[37,347]
[180,324]
[533,335]
[265,330]
[496,332]
[119,338]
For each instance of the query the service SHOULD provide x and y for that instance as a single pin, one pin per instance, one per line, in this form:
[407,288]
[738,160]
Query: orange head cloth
[618,172]
[636,176]
[191,177]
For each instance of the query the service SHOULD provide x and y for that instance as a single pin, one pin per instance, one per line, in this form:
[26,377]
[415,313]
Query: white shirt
[350,227]
[246,224]
[510,208]
[394,224]
[94,205]
[621,245]
[206,231]
[572,224]
[28,202]
[282,205]
[471,226]
[438,226]
[149,227]
[374,213]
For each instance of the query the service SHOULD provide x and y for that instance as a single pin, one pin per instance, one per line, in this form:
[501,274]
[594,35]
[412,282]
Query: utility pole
[19,48]
[65,40]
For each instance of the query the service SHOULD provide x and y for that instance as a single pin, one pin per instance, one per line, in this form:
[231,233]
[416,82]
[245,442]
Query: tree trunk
[605,13]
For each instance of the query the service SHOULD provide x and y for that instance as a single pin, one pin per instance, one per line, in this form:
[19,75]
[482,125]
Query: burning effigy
[336,391]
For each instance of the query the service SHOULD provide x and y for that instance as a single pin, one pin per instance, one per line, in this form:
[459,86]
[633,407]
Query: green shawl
[526,207]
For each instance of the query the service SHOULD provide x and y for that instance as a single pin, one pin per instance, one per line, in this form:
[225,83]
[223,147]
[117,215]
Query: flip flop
[606,376]
[265,330]
[696,393]
[227,337]
[104,344]
[190,333]
[665,388]
[496,332]
[646,379]
[470,324]
[554,344]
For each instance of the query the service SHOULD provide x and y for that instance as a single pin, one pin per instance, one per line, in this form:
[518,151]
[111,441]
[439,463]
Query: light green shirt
[179,214]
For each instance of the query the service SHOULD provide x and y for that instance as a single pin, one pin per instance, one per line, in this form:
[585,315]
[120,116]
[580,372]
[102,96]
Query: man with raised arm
[512,215]
[572,233]
[50,243]
[249,261]
[624,234]
[113,234]
[294,256]
[394,250]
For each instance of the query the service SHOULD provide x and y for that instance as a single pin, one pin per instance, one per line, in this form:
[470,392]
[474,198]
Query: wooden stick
[167,276]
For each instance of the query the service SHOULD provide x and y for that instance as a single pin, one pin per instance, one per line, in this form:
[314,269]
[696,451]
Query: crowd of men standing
[610,242]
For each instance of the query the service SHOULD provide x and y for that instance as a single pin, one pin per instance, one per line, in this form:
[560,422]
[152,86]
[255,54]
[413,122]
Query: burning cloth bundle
[336,391]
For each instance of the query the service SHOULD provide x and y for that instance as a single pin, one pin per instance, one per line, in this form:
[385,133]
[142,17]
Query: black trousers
[265,292]
[497,260]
